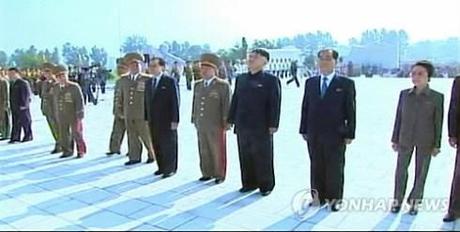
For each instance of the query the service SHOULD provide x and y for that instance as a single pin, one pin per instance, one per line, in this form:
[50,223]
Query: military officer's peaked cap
[60,68]
[210,59]
[48,66]
[133,56]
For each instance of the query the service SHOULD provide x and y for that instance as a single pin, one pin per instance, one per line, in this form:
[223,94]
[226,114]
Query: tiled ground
[41,192]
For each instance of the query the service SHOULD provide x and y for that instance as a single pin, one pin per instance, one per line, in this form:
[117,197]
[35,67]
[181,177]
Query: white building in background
[280,60]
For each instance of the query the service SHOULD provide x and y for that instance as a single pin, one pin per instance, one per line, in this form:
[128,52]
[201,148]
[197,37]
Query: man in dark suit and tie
[20,107]
[328,125]
[255,112]
[162,114]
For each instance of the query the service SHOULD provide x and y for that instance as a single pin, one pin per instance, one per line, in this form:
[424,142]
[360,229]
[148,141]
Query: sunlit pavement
[39,191]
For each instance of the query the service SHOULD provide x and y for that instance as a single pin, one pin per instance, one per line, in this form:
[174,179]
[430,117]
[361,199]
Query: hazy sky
[221,23]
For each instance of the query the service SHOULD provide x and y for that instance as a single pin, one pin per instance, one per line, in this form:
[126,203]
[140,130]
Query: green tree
[3,59]
[135,43]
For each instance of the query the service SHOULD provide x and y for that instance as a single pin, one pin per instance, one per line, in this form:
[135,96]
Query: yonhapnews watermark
[306,203]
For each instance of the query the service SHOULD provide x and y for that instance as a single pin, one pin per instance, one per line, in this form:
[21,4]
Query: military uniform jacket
[132,97]
[47,93]
[117,105]
[211,104]
[4,95]
[69,102]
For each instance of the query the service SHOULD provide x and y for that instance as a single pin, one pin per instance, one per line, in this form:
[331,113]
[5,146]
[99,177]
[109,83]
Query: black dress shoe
[66,155]
[80,155]
[112,153]
[413,210]
[395,209]
[246,189]
[168,175]
[157,173]
[265,193]
[13,141]
[335,208]
[55,151]
[204,178]
[316,204]
[26,140]
[449,218]
[219,181]
[133,162]
[149,161]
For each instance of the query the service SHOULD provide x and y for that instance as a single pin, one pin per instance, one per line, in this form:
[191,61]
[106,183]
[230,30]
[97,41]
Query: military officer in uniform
[211,101]
[70,113]
[119,127]
[4,108]
[255,111]
[189,74]
[46,92]
[132,89]
[196,71]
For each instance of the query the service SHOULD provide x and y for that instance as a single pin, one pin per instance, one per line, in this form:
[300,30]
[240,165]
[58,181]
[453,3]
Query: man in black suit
[20,107]
[328,125]
[162,114]
[255,111]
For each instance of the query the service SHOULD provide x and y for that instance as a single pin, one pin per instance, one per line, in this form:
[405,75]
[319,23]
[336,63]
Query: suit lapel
[332,86]
[159,85]
[317,88]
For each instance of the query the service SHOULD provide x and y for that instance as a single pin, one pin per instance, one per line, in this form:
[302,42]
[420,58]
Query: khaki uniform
[70,113]
[133,109]
[196,72]
[209,114]
[119,126]
[48,107]
[4,108]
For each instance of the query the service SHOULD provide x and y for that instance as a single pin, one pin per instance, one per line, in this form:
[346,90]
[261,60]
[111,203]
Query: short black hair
[161,61]
[335,54]
[262,52]
[427,65]
[14,69]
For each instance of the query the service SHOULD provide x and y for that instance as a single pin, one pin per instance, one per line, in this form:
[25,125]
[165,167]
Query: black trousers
[454,205]
[256,160]
[294,78]
[165,147]
[21,121]
[327,162]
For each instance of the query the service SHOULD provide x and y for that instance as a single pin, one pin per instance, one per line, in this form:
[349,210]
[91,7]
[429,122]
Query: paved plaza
[39,191]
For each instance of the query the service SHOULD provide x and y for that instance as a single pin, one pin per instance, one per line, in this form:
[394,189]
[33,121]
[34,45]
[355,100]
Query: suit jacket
[454,110]
[20,95]
[419,119]
[333,117]
[131,97]
[162,103]
[211,104]
[256,103]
